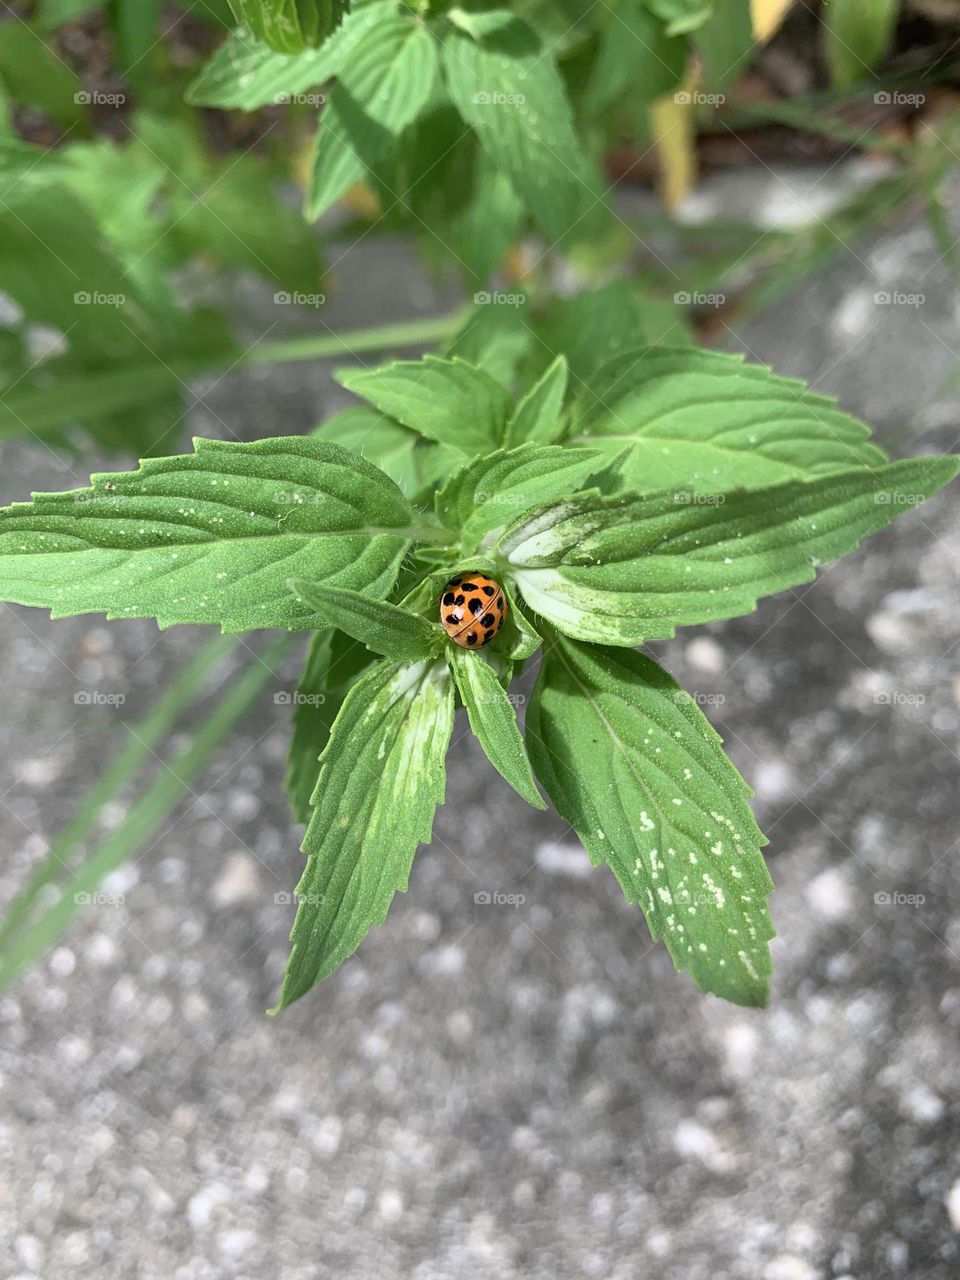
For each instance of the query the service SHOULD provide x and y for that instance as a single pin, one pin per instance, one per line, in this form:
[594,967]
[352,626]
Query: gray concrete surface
[485,1093]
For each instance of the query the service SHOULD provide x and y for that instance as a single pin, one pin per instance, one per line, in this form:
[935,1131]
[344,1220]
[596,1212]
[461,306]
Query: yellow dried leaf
[673,127]
[767,16]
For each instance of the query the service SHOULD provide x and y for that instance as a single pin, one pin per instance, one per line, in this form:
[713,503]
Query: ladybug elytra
[472,609]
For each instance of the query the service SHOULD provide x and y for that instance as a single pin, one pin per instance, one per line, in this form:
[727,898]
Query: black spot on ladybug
[459,599]
[487,620]
[453,617]
[487,589]
[487,637]
[448,598]
[472,638]
[475,606]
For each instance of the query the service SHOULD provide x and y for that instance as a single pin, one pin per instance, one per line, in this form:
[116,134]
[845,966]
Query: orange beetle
[472,609]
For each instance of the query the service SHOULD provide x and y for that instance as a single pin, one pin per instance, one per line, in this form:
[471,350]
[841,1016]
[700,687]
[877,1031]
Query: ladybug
[472,609]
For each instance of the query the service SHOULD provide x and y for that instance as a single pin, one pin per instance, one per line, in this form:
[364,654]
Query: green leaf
[857,37]
[334,661]
[629,569]
[381,778]
[506,87]
[491,492]
[134,25]
[536,419]
[90,397]
[54,13]
[725,43]
[445,400]
[64,272]
[594,326]
[248,74]
[290,25]
[633,765]
[495,339]
[336,165]
[229,208]
[34,75]
[481,232]
[681,16]
[706,422]
[384,81]
[384,628]
[518,640]
[493,720]
[209,536]
[405,456]
[635,56]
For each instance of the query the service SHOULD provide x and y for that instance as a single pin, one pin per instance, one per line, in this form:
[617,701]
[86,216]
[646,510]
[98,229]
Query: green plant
[602,538]
[618,481]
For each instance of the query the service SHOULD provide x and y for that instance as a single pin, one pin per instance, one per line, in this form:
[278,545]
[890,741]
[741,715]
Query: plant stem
[407,333]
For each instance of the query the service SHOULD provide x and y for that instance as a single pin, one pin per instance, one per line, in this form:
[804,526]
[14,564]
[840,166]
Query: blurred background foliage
[150,149]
